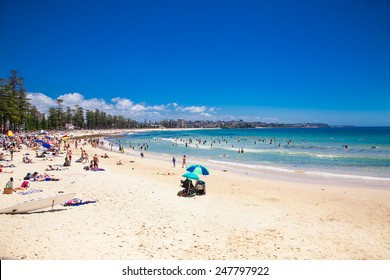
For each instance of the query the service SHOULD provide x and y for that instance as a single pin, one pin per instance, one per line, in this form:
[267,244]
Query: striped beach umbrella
[198,169]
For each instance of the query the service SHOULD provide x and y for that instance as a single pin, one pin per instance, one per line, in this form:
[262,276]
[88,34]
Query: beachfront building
[181,123]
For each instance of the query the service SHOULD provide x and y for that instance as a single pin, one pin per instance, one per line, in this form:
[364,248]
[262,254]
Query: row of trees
[14,106]
[18,114]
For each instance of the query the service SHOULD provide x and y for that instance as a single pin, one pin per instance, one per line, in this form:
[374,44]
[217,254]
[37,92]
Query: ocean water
[359,152]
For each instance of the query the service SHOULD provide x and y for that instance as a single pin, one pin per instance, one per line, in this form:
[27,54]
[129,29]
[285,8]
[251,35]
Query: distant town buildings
[182,123]
[244,124]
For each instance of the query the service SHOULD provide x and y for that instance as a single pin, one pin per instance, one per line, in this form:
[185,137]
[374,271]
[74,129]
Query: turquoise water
[355,151]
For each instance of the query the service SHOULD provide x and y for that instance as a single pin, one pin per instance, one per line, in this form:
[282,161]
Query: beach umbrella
[198,169]
[10,133]
[39,141]
[191,175]
[46,145]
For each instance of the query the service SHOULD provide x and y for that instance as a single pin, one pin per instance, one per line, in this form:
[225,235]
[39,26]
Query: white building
[181,123]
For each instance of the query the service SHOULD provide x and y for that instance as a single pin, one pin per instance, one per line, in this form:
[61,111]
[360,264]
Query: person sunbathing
[53,168]
[2,171]
[7,165]
[4,166]
[42,155]
[25,185]
[84,157]
[77,202]
[43,177]
[27,160]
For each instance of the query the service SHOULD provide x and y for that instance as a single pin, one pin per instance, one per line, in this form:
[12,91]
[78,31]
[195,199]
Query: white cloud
[122,103]
[121,106]
[41,101]
[158,108]
[72,98]
[192,109]
[138,108]
[206,115]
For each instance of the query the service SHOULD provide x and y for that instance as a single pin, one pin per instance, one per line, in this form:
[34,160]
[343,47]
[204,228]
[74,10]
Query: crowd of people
[50,147]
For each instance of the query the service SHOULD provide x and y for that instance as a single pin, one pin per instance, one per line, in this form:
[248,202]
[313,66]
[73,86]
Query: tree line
[17,113]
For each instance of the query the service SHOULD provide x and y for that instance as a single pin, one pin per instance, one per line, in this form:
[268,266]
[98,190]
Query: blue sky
[273,61]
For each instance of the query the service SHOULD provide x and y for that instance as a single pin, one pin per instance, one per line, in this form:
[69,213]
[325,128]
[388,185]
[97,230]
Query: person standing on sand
[174,161]
[95,162]
[184,163]
[69,155]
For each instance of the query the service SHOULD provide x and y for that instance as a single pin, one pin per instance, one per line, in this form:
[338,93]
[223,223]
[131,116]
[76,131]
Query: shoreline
[278,174]
[139,216]
[278,171]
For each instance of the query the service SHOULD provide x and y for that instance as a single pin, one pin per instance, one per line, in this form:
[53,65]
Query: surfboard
[37,204]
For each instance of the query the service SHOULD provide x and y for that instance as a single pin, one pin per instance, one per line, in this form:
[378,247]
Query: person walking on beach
[174,161]
[184,162]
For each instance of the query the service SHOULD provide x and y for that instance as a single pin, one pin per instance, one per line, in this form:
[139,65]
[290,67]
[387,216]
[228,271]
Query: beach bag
[8,190]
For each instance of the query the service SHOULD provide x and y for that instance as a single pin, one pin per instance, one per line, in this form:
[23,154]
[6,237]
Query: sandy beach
[243,216]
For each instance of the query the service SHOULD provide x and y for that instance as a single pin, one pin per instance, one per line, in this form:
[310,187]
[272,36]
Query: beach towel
[29,192]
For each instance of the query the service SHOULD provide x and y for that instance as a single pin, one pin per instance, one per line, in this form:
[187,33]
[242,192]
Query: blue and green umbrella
[198,169]
[191,175]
